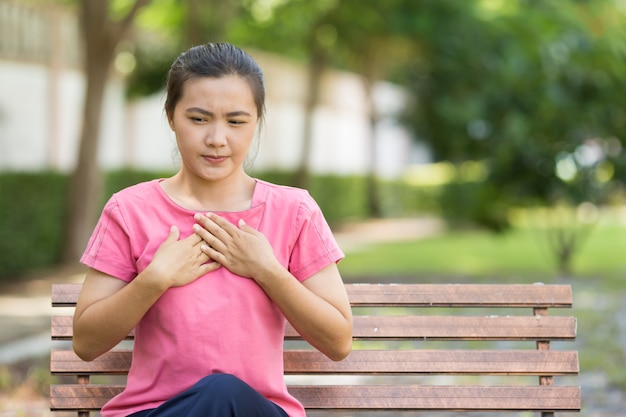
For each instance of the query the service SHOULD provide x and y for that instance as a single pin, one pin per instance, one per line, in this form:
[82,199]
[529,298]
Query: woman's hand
[179,262]
[242,250]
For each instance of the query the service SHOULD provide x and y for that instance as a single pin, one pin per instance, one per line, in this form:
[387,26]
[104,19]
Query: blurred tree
[103,28]
[374,39]
[532,89]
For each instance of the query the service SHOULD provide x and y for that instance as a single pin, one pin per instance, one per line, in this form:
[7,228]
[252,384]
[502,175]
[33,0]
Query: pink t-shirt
[221,322]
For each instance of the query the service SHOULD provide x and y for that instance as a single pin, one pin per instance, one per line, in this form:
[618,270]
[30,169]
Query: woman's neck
[229,194]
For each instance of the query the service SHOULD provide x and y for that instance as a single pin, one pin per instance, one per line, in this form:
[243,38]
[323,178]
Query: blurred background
[445,140]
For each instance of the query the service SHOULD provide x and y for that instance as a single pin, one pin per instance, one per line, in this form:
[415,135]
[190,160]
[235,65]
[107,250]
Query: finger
[173,235]
[212,253]
[204,235]
[244,226]
[221,222]
[209,267]
[205,223]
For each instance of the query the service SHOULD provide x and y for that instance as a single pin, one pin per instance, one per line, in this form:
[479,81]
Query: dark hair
[214,60]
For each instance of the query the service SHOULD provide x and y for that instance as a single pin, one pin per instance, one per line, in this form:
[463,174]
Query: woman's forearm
[101,323]
[318,309]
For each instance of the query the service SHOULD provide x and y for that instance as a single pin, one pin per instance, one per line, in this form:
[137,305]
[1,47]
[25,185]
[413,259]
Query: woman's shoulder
[272,192]
[287,198]
[143,191]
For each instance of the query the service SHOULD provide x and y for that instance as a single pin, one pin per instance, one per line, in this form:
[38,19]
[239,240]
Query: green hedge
[33,208]
[32,220]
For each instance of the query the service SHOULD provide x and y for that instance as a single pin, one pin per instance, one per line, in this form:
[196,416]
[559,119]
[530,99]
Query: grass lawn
[521,255]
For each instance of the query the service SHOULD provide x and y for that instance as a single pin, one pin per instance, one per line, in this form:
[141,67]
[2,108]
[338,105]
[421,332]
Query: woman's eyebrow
[238,113]
[199,110]
[208,113]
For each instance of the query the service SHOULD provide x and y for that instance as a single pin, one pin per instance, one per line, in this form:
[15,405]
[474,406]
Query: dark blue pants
[218,395]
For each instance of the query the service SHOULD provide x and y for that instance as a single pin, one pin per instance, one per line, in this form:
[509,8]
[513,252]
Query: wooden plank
[439,362]
[61,328]
[71,397]
[460,295]
[372,397]
[65,295]
[425,328]
[114,362]
[419,295]
[464,328]
[457,398]
[378,362]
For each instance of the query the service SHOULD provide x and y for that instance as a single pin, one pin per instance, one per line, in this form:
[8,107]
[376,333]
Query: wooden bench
[417,347]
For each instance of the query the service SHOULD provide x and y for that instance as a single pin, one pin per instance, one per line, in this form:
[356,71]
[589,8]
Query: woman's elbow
[83,350]
[82,353]
[343,352]
[341,349]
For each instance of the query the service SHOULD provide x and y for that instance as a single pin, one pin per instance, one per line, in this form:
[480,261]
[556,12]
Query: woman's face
[214,122]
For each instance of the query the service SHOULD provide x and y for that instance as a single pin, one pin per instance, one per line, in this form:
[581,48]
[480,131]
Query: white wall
[41,112]
[41,115]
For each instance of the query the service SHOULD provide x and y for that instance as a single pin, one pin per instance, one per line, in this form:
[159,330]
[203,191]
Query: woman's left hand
[242,250]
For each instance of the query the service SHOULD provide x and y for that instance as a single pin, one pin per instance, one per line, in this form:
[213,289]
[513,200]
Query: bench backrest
[417,347]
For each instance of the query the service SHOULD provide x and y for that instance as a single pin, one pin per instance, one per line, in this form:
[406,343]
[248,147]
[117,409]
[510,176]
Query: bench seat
[417,347]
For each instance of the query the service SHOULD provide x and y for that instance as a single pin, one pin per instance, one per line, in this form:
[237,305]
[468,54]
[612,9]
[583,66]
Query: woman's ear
[170,121]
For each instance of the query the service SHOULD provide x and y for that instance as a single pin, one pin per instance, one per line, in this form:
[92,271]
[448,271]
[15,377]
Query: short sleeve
[109,247]
[315,247]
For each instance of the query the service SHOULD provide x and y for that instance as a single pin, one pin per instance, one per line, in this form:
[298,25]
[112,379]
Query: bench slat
[113,362]
[70,397]
[383,362]
[426,328]
[420,397]
[460,295]
[419,295]
[370,397]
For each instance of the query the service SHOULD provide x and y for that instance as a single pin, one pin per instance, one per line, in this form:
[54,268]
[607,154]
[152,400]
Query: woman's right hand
[179,262]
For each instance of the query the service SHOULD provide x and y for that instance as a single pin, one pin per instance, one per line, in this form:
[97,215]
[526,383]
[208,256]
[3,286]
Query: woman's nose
[216,135]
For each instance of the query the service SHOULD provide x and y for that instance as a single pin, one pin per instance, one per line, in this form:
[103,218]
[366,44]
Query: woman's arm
[318,308]
[109,308]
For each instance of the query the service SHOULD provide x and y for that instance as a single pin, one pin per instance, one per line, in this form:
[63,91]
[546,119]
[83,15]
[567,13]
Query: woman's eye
[197,119]
[237,122]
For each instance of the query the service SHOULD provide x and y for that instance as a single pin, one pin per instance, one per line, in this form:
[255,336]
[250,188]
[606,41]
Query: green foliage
[400,199]
[32,218]
[167,28]
[119,179]
[532,89]
[340,197]
[474,203]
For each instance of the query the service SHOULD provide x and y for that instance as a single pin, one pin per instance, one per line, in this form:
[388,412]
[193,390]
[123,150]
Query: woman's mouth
[214,159]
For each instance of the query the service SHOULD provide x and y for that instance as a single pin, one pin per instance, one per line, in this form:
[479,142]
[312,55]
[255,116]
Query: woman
[209,264]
